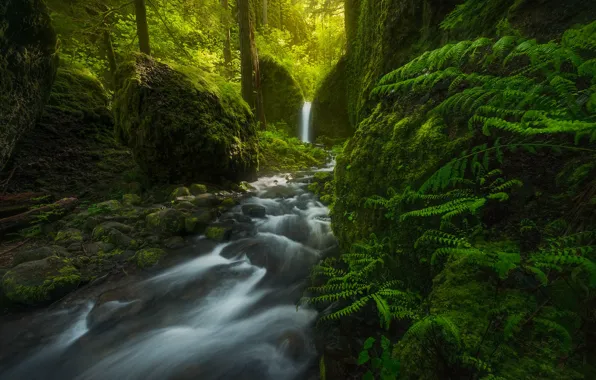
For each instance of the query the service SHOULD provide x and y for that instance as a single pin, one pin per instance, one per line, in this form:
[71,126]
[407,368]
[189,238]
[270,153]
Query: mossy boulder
[68,236]
[167,222]
[184,125]
[40,282]
[27,68]
[131,200]
[197,189]
[198,221]
[38,253]
[282,96]
[180,192]
[147,258]
[72,149]
[330,106]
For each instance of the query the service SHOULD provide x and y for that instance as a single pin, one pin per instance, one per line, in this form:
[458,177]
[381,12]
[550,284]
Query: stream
[227,311]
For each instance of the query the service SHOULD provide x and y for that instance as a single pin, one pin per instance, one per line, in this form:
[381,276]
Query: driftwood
[12,204]
[43,214]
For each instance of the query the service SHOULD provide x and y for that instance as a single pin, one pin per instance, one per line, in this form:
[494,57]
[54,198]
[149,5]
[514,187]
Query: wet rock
[180,192]
[185,205]
[197,189]
[175,242]
[40,282]
[279,192]
[109,206]
[131,200]
[198,221]
[110,313]
[68,236]
[104,229]
[168,221]
[292,343]
[254,210]
[121,240]
[240,218]
[38,254]
[147,258]
[228,203]
[75,247]
[205,200]
[221,231]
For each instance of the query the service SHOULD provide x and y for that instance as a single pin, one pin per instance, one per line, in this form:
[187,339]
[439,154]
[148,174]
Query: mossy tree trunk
[227,51]
[142,28]
[265,12]
[249,63]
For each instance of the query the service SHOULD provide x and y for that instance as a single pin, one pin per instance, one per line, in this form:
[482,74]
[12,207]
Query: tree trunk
[281,15]
[246,59]
[265,21]
[227,52]
[142,28]
[110,55]
[251,79]
[11,204]
[47,213]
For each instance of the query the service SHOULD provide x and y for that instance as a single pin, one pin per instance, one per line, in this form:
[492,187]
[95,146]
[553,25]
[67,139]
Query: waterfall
[305,122]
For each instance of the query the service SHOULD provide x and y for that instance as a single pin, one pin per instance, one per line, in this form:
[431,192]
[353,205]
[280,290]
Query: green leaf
[369,343]
[363,357]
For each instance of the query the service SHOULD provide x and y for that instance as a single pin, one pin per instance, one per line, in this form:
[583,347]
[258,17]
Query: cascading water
[226,313]
[305,122]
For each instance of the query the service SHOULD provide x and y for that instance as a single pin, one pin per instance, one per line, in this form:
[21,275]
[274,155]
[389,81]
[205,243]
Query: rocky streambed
[176,303]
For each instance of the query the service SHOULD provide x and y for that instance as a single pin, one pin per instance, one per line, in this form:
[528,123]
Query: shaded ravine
[227,313]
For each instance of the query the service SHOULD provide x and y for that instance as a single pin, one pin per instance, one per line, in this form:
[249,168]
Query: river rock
[183,125]
[175,242]
[38,253]
[147,258]
[197,189]
[131,200]
[279,192]
[254,210]
[168,221]
[40,282]
[205,200]
[180,192]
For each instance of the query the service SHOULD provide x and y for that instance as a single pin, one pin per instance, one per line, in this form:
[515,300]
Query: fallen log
[45,214]
[13,204]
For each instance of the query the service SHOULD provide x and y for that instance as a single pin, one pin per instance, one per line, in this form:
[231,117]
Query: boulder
[68,236]
[72,149]
[175,242]
[104,229]
[41,281]
[197,189]
[282,96]
[204,200]
[198,221]
[220,232]
[131,200]
[184,125]
[38,253]
[168,221]
[254,210]
[180,192]
[27,68]
[147,258]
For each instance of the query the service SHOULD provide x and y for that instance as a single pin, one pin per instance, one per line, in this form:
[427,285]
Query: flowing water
[227,312]
[305,122]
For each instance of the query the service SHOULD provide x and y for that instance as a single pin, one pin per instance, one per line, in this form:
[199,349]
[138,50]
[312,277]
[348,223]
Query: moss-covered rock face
[167,221]
[27,67]
[72,150]
[330,105]
[282,96]
[184,125]
[40,282]
[147,258]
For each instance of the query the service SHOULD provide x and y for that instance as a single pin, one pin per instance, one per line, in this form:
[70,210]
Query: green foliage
[280,153]
[361,278]
[382,363]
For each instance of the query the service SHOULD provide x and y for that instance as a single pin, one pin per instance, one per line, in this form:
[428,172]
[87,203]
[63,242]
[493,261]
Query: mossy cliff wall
[183,125]
[27,68]
[389,148]
[282,96]
[383,35]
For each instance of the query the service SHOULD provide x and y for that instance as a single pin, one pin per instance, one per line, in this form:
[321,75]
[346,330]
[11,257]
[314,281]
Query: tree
[142,28]
[227,51]
[265,12]
[249,63]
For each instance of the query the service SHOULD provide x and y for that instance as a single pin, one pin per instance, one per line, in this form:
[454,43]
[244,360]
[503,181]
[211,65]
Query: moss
[180,192]
[148,258]
[282,96]
[330,106]
[197,189]
[182,124]
[168,221]
[69,235]
[131,200]
[229,203]
[280,153]
[27,69]
[40,282]
[215,233]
